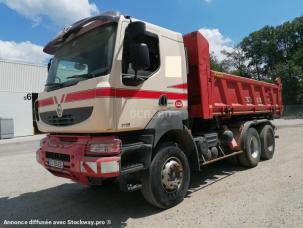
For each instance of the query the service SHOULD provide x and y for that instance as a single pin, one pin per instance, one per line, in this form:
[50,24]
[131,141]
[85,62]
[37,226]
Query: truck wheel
[267,137]
[252,149]
[166,182]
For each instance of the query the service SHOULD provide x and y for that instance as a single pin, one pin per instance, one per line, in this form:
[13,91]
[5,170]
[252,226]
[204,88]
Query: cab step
[132,168]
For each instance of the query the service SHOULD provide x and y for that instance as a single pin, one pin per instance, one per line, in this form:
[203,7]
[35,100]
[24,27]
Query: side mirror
[135,30]
[49,64]
[139,56]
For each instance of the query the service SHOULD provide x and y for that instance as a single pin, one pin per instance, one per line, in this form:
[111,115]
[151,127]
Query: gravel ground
[281,123]
[270,195]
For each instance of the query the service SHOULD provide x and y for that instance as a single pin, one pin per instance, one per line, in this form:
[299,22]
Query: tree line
[267,54]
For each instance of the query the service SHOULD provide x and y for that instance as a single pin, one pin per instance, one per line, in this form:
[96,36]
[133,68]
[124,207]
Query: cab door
[140,94]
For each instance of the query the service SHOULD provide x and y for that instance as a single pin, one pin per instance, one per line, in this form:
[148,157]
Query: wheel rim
[172,174]
[254,147]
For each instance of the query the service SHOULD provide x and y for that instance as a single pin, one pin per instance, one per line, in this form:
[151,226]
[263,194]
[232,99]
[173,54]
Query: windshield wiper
[54,84]
[85,76]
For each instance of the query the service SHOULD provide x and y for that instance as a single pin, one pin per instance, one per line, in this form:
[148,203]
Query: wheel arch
[171,126]
[185,142]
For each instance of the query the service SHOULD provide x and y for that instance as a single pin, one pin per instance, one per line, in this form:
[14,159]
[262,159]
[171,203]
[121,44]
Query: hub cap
[254,149]
[172,174]
[270,142]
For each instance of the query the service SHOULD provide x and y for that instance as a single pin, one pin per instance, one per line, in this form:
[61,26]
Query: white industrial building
[20,84]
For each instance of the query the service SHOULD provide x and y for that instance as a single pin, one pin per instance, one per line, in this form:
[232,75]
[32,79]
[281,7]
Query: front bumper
[77,165]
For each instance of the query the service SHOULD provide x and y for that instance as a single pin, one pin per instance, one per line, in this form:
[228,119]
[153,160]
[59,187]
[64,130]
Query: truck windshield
[88,56]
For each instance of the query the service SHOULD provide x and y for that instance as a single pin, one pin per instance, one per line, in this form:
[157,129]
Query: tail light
[104,146]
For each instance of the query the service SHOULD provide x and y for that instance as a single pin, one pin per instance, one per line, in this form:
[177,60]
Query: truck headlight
[104,146]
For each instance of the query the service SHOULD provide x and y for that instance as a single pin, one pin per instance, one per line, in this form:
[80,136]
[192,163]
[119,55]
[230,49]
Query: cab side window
[129,76]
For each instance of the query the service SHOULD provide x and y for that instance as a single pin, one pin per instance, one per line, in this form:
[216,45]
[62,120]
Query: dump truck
[135,104]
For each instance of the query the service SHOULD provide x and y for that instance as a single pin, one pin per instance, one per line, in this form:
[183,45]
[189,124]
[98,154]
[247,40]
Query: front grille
[65,120]
[69,117]
[57,156]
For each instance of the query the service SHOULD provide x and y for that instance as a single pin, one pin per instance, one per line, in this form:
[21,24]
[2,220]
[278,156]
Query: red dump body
[218,94]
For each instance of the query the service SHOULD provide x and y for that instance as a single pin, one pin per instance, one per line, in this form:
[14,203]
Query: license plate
[56,163]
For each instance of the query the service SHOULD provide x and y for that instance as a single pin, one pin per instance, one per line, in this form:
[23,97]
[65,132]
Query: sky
[27,25]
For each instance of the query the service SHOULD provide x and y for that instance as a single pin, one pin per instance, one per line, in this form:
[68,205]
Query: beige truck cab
[107,76]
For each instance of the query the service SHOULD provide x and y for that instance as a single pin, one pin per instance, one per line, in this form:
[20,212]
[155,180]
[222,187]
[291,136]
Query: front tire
[166,182]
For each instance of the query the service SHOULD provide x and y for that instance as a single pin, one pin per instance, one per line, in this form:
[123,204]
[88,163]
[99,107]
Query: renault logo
[59,111]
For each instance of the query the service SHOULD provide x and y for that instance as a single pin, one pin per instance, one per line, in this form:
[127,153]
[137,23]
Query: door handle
[163,100]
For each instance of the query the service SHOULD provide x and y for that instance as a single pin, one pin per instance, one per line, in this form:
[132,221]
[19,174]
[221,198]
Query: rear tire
[252,149]
[166,182]
[267,137]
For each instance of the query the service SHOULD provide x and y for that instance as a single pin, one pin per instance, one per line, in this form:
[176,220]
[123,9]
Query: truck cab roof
[84,25]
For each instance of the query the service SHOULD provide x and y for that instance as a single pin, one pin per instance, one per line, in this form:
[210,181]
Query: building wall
[22,77]
[13,105]
[17,80]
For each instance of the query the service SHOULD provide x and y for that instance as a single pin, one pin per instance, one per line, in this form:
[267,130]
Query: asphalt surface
[222,195]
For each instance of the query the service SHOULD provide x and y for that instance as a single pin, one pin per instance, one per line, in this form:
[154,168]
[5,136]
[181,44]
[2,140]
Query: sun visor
[79,28]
